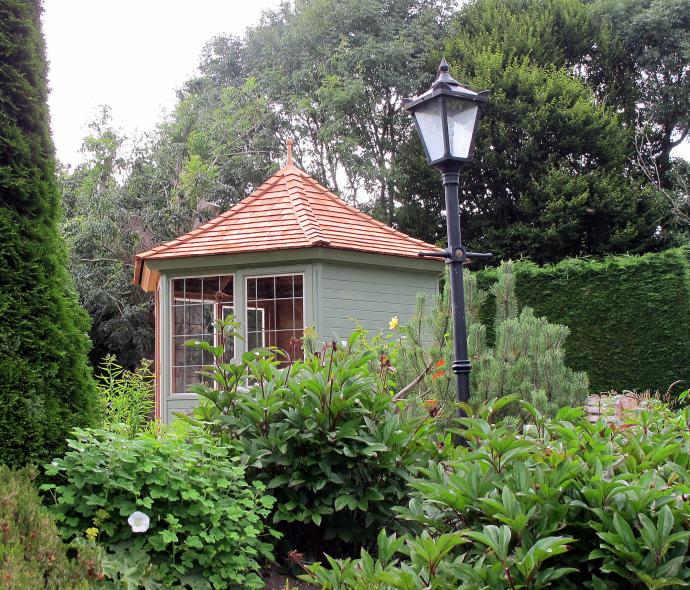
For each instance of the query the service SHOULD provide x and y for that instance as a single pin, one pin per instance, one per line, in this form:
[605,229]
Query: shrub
[323,434]
[126,397]
[527,358]
[32,554]
[205,519]
[567,504]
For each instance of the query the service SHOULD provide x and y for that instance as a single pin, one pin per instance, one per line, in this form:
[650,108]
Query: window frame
[218,306]
[249,276]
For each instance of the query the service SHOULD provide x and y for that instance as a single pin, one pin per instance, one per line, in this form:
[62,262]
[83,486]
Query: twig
[417,380]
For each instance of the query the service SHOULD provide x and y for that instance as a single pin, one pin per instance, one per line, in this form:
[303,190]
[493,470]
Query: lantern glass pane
[430,121]
[461,120]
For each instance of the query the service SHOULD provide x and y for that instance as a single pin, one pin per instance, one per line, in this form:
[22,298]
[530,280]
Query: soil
[276,581]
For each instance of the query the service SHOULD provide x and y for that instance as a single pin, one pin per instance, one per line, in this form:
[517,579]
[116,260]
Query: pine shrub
[32,554]
[46,386]
[527,358]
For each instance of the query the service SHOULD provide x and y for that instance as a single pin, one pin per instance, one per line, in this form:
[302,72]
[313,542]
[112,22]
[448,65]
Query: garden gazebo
[292,254]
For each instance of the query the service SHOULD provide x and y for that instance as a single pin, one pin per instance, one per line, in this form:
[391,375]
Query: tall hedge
[629,316]
[46,386]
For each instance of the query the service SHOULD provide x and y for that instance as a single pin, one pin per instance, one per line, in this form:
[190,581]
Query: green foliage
[565,504]
[206,522]
[323,434]
[212,152]
[557,169]
[32,554]
[527,358]
[642,65]
[126,397]
[45,384]
[550,176]
[338,70]
[628,316]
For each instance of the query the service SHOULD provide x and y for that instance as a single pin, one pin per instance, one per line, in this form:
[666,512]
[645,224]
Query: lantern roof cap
[447,85]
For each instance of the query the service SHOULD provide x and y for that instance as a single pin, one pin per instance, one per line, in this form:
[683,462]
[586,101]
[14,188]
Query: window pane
[255,320]
[285,314]
[276,317]
[265,288]
[251,289]
[198,302]
[255,340]
[298,286]
[193,289]
[299,315]
[284,287]
[179,380]
[194,320]
[178,291]
[225,290]
[209,317]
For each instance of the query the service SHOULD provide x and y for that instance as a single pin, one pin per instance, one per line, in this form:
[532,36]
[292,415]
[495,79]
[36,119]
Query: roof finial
[289,151]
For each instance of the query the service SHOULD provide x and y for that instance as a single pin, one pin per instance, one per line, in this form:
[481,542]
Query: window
[196,304]
[275,313]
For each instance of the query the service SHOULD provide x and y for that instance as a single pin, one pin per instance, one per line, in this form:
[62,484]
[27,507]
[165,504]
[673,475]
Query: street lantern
[447,116]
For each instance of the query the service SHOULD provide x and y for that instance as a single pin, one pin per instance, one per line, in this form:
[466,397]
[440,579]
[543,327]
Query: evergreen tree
[45,382]
[553,172]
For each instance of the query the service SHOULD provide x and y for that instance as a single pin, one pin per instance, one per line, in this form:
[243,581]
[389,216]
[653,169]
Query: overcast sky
[132,55]
[129,54]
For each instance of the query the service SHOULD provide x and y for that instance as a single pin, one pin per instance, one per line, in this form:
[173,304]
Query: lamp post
[447,116]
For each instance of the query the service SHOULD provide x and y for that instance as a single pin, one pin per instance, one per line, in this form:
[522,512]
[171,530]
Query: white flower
[139,522]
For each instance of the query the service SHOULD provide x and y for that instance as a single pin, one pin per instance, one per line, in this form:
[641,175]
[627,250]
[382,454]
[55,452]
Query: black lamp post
[447,116]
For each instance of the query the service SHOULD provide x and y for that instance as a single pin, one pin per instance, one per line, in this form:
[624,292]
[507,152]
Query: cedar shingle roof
[290,210]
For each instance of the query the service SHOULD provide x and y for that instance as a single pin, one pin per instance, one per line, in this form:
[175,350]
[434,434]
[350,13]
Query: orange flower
[441,363]
[438,374]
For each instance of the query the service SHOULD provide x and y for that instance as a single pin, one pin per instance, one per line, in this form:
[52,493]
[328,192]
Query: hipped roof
[289,211]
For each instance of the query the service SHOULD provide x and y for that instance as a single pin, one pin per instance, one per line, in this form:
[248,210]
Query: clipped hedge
[629,316]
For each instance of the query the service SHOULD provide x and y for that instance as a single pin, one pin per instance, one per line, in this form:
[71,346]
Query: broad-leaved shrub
[205,521]
[564,504]
[323,434]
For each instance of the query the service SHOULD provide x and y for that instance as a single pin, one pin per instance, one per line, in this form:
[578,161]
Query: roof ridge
[300,204]
[363,215]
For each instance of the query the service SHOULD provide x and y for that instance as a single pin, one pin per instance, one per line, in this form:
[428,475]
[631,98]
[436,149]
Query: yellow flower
[91,533]
[394,323]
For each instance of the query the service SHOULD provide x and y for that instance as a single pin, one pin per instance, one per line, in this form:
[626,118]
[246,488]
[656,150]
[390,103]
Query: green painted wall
[370,295]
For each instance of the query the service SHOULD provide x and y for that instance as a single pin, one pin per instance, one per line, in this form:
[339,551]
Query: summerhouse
[290,255]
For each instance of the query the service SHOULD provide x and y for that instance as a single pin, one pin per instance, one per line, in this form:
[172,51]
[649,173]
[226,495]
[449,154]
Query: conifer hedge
[46,386]
[629,316]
